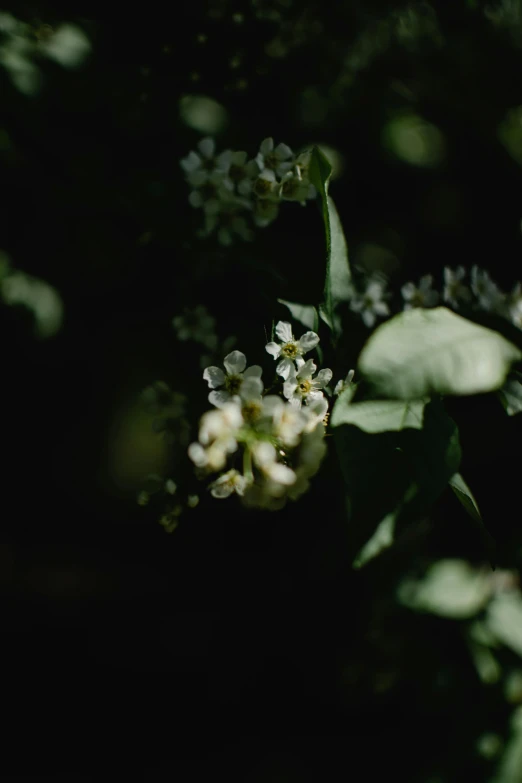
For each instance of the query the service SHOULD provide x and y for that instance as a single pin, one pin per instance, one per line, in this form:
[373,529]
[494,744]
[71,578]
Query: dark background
[242,644]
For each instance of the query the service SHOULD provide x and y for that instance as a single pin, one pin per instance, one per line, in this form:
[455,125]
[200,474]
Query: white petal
[264,454]
[255,371]
[308,341]
[268,175]
[284,331]
[196,200]
[307,370]
[368,317]
[219,398]
[197,454]
[381,308]
[235,362]
[272,405]
[191,162]
[266,146]
[283,151]
[323,378]
[282,474]
[408,291]
[285,368]
[289,388]
[223,490]
[207,147]
[251,389]
[214,376]
[314,395]
[273,349]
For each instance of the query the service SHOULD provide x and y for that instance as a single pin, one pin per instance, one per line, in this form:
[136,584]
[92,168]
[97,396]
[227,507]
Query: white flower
[422,295]
[38,296]
[454,291]
[296,188]
[222,424]
[513,305]
[204,166]
[68,46]
[218,430]
[278,476]
[489,295]
[370,304]
[266,186]
[197,325]
[286,421]
[302,386]
[311,454]
[237,380]
[290,349]
[341,386]
[279,158]
[228,483]
[265,212]
[242,172]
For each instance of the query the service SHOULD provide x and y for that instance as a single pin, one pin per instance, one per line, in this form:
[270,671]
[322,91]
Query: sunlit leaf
[304,314]
[419,352]
[378,415]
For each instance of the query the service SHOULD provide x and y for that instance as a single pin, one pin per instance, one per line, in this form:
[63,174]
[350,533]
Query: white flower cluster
[22,44]
[280,437]
[235,192]
[481,292]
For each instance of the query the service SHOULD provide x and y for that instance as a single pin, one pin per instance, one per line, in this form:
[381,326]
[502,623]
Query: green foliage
[420,352]
[399,473]
[511,394]
[337,286]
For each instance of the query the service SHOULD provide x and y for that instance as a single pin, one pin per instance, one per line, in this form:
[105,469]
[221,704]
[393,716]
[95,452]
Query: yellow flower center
[233,383]
[290,350]
[305,386]
[251,411]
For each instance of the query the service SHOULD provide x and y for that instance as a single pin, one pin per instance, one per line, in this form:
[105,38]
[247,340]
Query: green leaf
[304,314]
[400,473]
[464,494]
[337,286]
[420,352]
[511,394]
[378,415]
[381,539]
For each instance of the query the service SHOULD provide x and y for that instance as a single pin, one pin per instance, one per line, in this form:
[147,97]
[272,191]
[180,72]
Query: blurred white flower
[342,385]
[287,422]
[290,349]
[455,292]
[279,159]
[236,381]
[422,295]
[266,186]
[67,45]
[371,303]
[489,296]
[228,483]
[278,476]
[197,325]
[204,166]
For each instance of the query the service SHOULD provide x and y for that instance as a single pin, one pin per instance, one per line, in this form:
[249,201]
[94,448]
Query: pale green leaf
[381,539]
[304,314]
[378,415]
[420,352]
[511,394]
